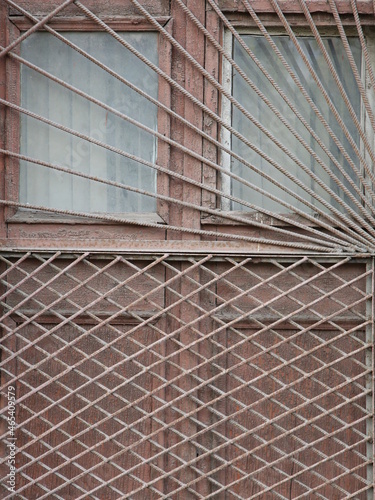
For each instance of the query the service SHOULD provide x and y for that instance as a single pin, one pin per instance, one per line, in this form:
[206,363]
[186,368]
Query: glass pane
[243,93]
[42,186]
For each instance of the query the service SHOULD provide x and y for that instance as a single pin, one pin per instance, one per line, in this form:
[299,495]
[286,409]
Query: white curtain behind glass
[41,186]
[260,110]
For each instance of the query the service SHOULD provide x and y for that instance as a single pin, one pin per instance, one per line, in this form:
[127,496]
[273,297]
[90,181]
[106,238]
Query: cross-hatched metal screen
[187,234]
[189,377]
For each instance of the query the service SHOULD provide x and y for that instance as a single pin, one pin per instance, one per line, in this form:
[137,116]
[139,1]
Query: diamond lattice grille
[183,378]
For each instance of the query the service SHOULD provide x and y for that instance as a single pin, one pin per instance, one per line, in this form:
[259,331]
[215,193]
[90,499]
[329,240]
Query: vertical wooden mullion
[9,120]
[226,114]
[174,218]
[177,129]
[209,178]
[189,36]
[211,100]
[194,84]
[164,125]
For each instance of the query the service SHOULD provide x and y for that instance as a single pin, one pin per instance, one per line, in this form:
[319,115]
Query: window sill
[31,229]
[35,217]
[267,220]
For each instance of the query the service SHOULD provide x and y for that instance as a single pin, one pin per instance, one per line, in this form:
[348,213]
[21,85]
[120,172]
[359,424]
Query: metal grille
[312,175]
[182,377]
[240,363]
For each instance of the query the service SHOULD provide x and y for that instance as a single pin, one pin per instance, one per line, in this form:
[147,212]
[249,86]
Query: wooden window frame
[30,225]
[244,24]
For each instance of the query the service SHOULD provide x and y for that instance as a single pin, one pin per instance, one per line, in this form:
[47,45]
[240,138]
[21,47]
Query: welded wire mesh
[189,377]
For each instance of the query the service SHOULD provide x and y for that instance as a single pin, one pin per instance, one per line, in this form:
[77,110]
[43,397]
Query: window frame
[246,26]
[32,224]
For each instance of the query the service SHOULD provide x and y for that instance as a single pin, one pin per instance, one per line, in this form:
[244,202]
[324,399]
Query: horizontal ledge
[180,256]
[79,23]
[36,217]
[298,21]
[294,6]
[221,219]
[114,245]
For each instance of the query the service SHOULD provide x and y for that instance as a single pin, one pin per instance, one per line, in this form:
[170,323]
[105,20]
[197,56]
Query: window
[39,94]
[242,92]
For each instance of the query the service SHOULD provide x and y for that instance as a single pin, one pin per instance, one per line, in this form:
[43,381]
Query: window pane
[42,186]
[243,93]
